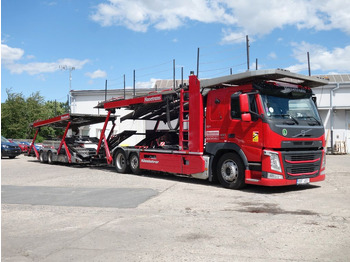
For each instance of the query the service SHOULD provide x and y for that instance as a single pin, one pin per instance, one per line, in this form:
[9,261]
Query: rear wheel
[120,161]
[135,163]
[230,171]
[41,157]
[49,158]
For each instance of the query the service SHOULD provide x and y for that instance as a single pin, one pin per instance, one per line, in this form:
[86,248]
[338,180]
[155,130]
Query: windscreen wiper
[313,118]
[289,116]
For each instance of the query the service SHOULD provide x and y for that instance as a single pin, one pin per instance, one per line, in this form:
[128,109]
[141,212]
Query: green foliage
[18,112]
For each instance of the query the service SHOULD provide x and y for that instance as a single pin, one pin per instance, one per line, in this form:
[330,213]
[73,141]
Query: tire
[12,157]
[120,161]
[135,163]
[49,158]
[230,171]
[41,157]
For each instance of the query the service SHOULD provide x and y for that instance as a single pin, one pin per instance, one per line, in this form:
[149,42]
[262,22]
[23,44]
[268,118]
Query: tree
[13,116]
[17,113]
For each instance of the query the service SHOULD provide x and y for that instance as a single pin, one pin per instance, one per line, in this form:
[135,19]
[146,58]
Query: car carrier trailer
[72,149]
[259,127]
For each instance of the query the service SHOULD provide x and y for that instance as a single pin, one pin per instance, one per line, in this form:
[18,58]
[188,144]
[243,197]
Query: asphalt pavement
[74,213]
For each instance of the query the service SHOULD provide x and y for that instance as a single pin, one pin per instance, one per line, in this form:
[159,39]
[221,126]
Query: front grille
[301,164]
[302,169]
[302,157]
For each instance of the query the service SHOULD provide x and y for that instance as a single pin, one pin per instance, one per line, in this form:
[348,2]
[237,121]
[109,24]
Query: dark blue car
[9,149]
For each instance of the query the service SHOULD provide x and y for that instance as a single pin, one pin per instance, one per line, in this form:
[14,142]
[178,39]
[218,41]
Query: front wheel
[135,163]
[230,171]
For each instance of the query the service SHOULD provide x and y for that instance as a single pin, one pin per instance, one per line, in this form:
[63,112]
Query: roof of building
[337,78]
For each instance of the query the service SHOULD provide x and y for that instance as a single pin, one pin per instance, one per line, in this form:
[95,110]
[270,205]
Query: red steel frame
[63,142]
[51,120]
[103,138]
[188,160]
[133,101]
[40,123]
[32,145]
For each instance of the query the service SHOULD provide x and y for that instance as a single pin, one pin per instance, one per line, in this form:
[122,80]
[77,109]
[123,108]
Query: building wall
[338,119]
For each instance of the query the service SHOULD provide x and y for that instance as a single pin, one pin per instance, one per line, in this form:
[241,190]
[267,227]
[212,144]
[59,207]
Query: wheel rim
[134,162]
[41,157]
[121,162]
[229,171]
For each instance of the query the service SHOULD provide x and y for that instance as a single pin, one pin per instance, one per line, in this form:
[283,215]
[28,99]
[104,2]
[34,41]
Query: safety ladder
[184,120]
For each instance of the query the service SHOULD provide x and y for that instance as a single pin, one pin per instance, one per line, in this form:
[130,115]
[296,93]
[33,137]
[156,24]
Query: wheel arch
[217,150]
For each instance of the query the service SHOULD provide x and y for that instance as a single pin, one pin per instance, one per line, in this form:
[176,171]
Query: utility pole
[308,63]
[247,47]
[197,62]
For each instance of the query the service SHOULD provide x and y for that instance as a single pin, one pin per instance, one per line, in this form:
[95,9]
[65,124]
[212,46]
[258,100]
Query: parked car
[37,147]
[24,147]
[9,149]
[29,144]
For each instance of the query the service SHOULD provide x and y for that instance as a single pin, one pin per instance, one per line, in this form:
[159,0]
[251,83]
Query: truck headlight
[274,176]
[274,160]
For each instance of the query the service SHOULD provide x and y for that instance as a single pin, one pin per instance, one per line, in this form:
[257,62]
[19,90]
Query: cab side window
[235,108]
[253,107]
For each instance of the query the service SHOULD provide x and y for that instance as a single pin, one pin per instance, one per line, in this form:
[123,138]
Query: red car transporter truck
[259,127]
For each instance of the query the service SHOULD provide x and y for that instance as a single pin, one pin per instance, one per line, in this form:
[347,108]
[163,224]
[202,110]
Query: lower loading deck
[164,160]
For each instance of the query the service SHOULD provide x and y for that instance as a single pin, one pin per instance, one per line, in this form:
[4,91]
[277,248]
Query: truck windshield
[295,109]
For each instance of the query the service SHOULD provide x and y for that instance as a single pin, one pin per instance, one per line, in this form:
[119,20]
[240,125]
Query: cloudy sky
[103,40]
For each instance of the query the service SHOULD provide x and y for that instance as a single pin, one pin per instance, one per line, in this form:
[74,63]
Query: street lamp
[70,69]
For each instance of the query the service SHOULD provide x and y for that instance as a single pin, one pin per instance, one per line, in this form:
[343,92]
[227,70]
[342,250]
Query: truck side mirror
[245,109]
[246,117]
[244,103]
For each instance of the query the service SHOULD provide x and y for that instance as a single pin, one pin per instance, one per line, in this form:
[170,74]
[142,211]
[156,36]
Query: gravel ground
[73,213]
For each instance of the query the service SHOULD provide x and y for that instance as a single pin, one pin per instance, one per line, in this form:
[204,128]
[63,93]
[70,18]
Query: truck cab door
[247,134]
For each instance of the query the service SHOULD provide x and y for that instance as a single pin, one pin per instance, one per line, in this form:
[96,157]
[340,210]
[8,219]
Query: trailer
[74,149]
[258,127]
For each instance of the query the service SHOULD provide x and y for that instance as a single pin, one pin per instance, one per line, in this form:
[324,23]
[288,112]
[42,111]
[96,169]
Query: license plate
[303,181]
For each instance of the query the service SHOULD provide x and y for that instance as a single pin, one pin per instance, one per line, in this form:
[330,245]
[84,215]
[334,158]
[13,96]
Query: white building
[333,101]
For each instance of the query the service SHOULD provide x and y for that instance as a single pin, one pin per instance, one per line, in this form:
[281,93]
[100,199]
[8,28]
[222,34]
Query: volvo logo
[284,132]
[302,133]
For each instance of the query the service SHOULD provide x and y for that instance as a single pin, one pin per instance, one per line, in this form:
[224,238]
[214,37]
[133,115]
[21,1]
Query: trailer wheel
[135,163]
[120,161]
[49,158]
[41,157]
[230,171]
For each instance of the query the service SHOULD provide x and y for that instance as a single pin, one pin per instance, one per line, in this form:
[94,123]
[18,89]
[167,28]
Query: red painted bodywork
[213,123]
[172,163]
